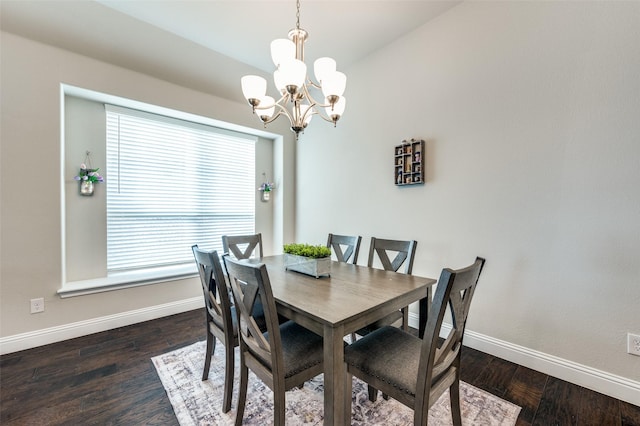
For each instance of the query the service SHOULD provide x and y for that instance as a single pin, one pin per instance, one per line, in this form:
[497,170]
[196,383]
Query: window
[172,184]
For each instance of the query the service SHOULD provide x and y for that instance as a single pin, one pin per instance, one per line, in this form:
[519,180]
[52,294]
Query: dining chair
[220,317]
[417,371]
[285,356]
[405,252]
[345,247]
[242,246]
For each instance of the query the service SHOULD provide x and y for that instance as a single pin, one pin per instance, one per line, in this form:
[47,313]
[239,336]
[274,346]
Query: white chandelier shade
[322,67]
[295,87]
[253,86]
[334,84]
[268,106]
[281,50]
[293,73]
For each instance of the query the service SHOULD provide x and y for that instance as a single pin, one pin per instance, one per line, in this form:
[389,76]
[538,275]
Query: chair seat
[301,348]
[388,320]
[396,361]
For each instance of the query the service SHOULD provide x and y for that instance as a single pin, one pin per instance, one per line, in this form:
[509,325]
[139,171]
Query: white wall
[31,179]
[531,116]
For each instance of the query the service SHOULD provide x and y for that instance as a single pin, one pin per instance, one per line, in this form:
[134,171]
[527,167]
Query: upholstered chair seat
[301,349]
[396,361]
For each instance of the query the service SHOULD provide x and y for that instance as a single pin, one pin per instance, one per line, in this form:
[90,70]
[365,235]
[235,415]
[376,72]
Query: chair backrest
[242,246]
[214,288]
[345,247]
[250,285]
[405,253]
[440,362]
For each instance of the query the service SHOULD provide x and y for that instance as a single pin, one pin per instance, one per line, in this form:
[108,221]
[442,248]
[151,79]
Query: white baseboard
[588,377]
[600,381]
[59,333]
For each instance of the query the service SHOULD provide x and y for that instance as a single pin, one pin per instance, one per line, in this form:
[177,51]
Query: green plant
[266,187]
[307,250]
[88,174]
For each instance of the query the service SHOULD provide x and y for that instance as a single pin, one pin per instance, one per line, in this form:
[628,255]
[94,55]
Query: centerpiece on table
[308,259]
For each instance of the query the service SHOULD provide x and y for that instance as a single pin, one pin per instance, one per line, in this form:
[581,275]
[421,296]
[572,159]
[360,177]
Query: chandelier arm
[312,103]
[313,83]
[281,111]
[309,111]
[284,99]
[307,94]
[322,115]
[275,116]
[317,106]
[312,100]
[284,111]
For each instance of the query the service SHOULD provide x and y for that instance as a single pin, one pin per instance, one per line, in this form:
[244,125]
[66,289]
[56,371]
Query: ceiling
[209,45]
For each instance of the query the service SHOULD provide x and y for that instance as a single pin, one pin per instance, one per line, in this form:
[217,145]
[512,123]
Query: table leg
[424,313]
[334,377]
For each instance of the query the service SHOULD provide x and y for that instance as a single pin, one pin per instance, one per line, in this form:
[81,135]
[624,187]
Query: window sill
[121,280]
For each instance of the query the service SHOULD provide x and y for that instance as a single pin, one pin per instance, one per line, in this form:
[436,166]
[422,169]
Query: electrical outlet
[633,344]
[37,305]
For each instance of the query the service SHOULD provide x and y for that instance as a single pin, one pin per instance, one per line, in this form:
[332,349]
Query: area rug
[197,402]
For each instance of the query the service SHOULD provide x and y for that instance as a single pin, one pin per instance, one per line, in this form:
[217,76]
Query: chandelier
[291,81]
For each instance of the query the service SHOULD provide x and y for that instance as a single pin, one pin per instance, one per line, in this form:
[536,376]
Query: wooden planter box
[306,265]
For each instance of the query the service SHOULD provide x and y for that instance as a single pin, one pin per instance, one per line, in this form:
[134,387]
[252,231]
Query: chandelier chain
[297,14]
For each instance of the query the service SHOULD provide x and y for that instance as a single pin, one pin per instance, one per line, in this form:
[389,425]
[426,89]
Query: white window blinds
[171,184]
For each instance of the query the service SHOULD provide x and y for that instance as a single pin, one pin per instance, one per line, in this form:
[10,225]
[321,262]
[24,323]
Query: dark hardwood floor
[108,379]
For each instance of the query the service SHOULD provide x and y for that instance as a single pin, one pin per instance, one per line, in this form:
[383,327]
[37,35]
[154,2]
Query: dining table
[334,306]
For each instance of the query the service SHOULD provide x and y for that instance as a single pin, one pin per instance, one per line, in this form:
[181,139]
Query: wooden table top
[350,291]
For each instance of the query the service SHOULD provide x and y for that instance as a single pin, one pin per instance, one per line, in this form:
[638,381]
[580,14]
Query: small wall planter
[86,187]
[88,176]
[266,189]
[307,265]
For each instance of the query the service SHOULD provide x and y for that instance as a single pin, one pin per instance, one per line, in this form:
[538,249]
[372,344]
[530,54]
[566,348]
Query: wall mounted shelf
[409,163]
